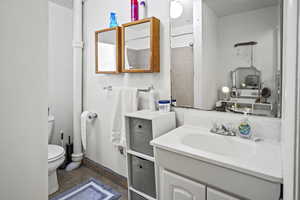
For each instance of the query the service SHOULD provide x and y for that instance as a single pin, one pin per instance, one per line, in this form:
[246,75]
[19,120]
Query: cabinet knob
[140,126]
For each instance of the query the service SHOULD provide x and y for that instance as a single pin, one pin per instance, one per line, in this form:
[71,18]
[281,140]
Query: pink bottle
[134,10]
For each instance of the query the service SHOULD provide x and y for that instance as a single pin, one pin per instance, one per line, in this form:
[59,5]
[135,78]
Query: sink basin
[260,159]
[222,145]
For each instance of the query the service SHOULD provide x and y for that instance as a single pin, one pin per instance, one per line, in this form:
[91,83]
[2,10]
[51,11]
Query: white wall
[220,57]
[210,71]
[60,70]
[96,16]
[263,127]
[23,102]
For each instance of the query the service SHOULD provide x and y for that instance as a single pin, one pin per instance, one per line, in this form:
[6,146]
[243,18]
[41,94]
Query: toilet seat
[55,152]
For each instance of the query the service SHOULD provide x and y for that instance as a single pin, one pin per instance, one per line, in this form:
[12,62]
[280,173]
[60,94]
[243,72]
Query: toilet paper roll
[83,120]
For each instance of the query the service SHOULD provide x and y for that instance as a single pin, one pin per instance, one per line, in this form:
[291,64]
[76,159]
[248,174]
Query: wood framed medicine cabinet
[141,46]
[108,51]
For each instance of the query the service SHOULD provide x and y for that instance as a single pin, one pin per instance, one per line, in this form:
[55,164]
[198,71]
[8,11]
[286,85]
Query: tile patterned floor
[67,180]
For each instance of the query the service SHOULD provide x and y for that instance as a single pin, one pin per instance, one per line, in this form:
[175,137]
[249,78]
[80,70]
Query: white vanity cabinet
[176,187]
[195,164]
[185,178]
[216,195]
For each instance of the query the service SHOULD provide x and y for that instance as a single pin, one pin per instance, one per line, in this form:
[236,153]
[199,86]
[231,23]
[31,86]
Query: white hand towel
[117,118]
[151,98]
[129,104]
[126,102]
[83,121]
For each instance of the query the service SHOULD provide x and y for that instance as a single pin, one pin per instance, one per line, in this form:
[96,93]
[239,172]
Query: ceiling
[221,8]
[65,3]
[187,14]
[229,7]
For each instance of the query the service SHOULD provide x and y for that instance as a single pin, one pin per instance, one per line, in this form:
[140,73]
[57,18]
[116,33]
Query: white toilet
[56,156]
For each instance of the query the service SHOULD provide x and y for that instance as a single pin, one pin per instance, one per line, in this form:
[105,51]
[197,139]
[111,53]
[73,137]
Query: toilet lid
[55,152]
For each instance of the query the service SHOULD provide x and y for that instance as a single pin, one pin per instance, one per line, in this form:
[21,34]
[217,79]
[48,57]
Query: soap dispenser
[244,127]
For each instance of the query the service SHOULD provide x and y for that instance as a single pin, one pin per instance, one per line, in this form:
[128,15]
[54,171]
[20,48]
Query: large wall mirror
[226,55]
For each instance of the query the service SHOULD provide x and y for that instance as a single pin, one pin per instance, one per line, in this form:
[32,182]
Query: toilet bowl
[56,156]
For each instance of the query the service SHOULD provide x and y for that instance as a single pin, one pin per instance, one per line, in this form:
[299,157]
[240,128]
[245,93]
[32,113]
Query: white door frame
[289,98]
[297,125]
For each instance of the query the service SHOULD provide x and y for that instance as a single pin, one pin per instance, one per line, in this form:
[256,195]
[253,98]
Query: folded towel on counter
[126,102]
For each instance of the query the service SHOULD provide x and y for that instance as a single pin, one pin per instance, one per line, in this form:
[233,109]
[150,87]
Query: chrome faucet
[223,129]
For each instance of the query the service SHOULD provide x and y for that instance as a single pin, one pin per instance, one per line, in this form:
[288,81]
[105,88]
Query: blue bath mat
[90,190]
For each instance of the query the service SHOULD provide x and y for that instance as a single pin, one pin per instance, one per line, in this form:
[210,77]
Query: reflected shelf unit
[141,127]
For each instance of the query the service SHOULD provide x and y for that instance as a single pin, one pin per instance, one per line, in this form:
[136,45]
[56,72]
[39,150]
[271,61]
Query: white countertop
[148,114]
[263,160]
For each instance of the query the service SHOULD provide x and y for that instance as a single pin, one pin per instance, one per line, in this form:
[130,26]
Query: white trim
[290,19]
[197,27]
[297,127]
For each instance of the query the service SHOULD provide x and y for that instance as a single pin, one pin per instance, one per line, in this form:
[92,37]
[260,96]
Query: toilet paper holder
[93,116]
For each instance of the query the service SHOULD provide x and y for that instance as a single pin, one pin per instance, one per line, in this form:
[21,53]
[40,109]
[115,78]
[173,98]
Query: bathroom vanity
[195,164]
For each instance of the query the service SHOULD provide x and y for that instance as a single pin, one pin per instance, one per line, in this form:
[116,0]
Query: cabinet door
[174,187]
[216,195]
[140,46]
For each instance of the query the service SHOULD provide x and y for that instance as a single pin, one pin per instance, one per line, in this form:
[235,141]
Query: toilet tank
[50,126]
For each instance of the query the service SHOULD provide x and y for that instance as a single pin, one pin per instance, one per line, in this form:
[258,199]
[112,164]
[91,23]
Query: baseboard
[106,172]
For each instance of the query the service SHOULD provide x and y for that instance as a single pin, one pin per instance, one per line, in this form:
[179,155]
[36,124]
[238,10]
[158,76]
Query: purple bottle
[134,10]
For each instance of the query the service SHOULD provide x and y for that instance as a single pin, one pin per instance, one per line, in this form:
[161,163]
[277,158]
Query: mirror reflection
[137,46]
[107,51]
[226,55]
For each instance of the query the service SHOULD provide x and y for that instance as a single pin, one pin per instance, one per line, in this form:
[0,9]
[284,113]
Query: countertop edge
[260,175]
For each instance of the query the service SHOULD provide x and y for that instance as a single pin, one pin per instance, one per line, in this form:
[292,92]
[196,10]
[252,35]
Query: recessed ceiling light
[176,9]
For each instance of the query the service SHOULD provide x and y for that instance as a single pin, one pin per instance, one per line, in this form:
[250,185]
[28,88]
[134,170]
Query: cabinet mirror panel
[226,55]
[108,50]
[137,46]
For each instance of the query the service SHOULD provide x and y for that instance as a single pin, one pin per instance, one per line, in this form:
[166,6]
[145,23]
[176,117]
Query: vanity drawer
[143,175]
[140,136]
[217,195]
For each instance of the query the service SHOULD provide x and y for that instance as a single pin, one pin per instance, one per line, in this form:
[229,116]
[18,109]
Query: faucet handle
[215,127]
[229,127]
